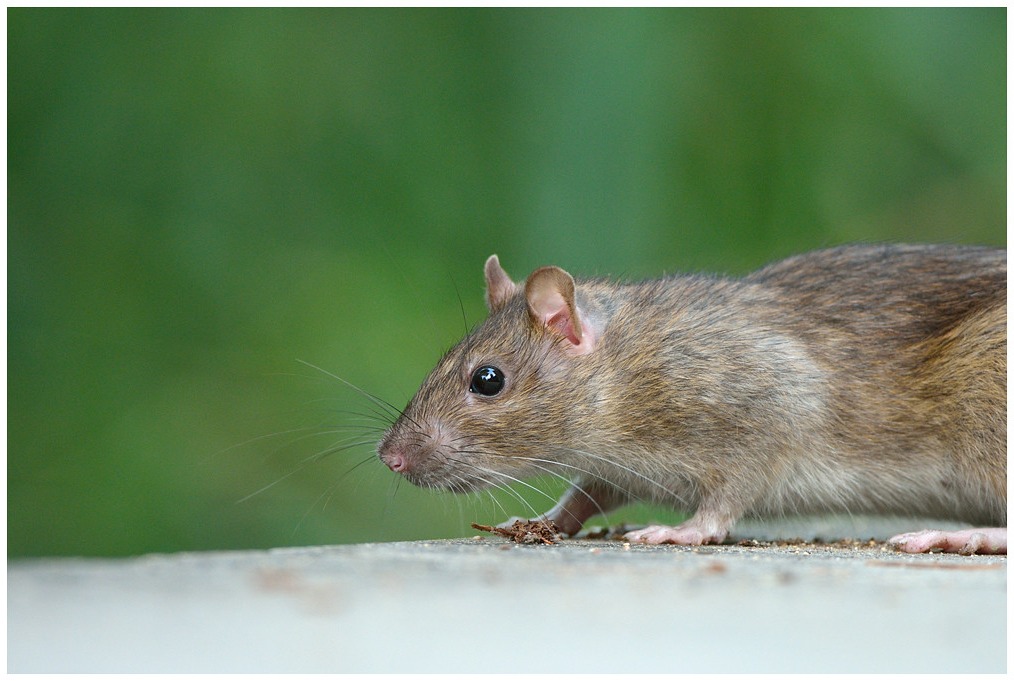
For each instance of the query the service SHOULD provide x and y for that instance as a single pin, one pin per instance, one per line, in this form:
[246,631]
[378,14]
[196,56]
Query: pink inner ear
[563,324]
[550,292]
[551,307]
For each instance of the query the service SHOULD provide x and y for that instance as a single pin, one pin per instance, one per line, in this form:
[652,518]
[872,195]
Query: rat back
[912,341]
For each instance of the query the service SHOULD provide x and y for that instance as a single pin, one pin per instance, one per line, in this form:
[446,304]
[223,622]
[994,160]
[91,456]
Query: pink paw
[685,535]
[965,542]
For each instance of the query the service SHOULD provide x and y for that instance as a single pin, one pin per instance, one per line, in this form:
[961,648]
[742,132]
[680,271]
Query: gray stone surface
[486,605]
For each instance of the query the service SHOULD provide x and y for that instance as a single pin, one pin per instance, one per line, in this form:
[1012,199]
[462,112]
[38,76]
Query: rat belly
[932,491]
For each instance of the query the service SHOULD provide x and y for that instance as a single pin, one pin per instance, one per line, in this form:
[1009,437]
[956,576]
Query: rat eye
[487,381]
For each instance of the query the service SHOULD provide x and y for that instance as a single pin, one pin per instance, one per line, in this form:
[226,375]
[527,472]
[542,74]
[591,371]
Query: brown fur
[860,379]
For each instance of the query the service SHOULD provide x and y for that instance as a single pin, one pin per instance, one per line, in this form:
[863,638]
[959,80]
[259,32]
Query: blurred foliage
[200,200]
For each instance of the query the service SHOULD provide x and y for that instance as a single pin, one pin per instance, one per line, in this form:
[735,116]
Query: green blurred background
[200,200]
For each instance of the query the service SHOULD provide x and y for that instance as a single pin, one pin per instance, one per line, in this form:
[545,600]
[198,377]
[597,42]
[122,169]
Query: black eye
[487,381]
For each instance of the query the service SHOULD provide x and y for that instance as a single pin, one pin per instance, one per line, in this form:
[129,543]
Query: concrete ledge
[485,605]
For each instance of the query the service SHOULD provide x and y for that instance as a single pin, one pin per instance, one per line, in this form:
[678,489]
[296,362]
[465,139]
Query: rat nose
[397,463]
[395,459]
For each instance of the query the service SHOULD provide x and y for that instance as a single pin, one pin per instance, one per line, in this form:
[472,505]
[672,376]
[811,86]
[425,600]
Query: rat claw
[684,535]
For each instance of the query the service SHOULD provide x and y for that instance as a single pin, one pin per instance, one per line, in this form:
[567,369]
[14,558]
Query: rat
[855,379]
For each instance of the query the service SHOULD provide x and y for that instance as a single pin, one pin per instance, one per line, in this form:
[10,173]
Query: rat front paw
[685,535]
[982,540]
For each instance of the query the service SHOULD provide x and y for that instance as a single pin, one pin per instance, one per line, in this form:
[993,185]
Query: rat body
[861,379]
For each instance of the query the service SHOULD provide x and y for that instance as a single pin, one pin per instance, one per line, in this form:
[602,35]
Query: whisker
[464,317]
[269,486]
[536,514]
[580,488]
[578,469]
[328,494]
[464,483]
[492,497]
[392,410]
[368,417]
[379,416]
[336,448]
[640,476]
[266,436]
[507,488]
[468,484]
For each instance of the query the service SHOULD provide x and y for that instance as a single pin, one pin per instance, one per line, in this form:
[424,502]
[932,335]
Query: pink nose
[397,463]
[393,455]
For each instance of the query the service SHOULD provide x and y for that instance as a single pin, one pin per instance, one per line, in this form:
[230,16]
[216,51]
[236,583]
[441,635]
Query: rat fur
[860,379]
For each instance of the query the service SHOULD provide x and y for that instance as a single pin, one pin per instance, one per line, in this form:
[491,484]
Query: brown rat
[861,379]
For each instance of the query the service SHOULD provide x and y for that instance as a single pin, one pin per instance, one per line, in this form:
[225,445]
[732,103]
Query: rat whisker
[270,485]
[304,463]
[392,410]
[329,432]
[329,493]
[667,492]
[487,492]
[267,436]
[501,474]
[584,472]
[491,485]
[580,488]
[337,448]
[360,427]
[496,502]
[380,416]
[507,489]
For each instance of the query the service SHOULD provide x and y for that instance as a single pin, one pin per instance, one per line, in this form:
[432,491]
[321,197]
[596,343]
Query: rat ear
[499,287]
[550,294]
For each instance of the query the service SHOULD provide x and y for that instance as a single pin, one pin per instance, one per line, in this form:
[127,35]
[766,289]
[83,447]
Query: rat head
[502,396]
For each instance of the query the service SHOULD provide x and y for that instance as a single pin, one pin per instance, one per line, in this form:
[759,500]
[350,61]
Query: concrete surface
[487,605]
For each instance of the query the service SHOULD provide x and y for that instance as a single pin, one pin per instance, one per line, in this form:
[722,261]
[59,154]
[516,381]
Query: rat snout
[414,453]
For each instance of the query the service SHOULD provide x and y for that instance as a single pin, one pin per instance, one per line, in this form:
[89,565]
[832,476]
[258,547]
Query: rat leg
[965,542]
[577,504]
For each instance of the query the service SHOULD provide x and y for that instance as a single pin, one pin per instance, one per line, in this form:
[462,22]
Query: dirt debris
[526,531]
[543,532]
[803,543]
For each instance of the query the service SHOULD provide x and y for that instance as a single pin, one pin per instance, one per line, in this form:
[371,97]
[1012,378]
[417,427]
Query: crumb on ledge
[526,532]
